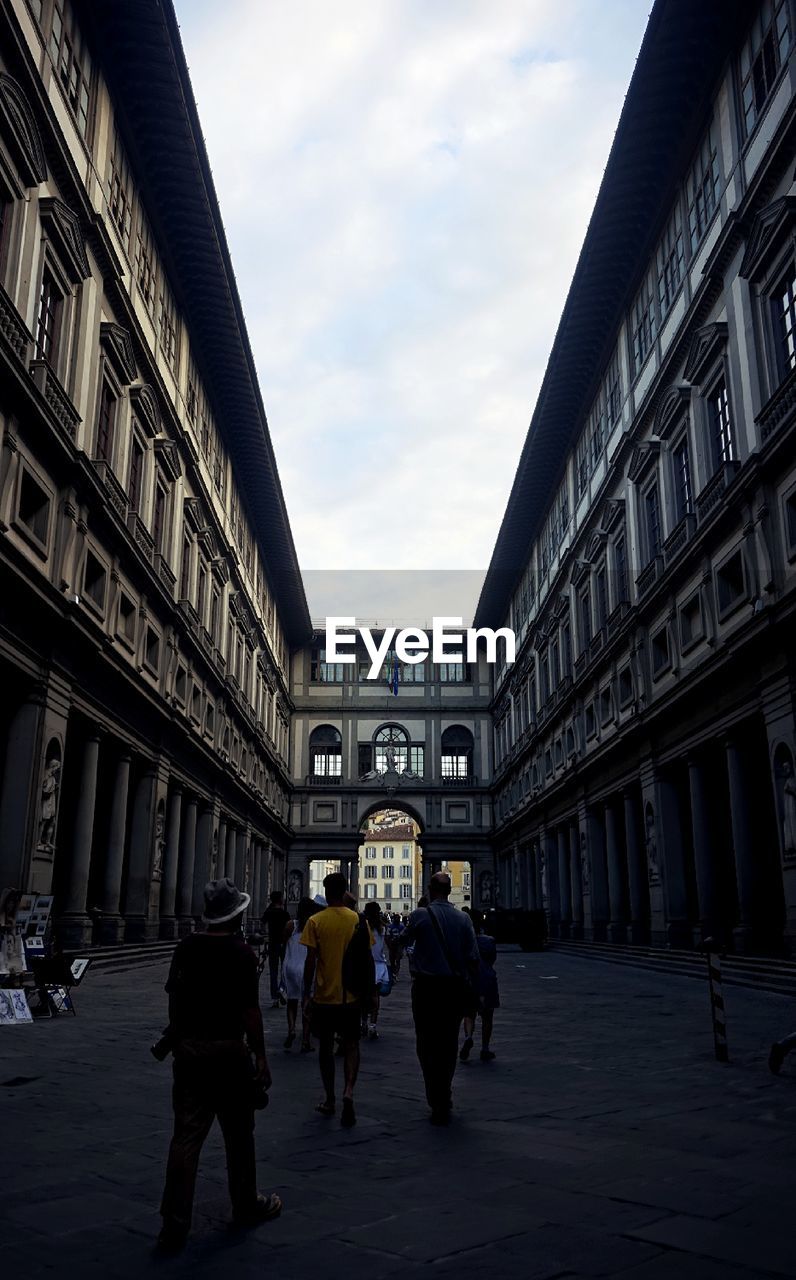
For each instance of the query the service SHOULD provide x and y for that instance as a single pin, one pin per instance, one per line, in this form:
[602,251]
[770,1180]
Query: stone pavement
[603,1141]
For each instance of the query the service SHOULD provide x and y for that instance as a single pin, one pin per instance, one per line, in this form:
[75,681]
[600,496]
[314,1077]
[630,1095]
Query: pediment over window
[613,513]
[146,408]
[596,545]
[770,228]
[642,459]
[22,132]
[193,514]
[219,565]
[168,456]
[707,346]
[669,412]
[561,606]
[117,345]
[580,570]
[63,228]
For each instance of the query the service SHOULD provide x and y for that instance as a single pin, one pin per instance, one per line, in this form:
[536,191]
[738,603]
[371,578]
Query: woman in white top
[382,975]
[293,973]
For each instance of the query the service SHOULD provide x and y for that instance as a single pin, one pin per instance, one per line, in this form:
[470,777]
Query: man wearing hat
[215,1025]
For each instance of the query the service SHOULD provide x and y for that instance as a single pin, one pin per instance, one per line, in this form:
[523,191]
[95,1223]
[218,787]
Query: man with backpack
[340,964]
[445,967]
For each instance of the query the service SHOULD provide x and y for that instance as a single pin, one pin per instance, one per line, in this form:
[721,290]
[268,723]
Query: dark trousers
[273,968]
[437,1008]
[211,1079]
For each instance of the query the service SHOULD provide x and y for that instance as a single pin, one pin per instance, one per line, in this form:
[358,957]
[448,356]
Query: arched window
[392,749]
[457,752]
[326,752]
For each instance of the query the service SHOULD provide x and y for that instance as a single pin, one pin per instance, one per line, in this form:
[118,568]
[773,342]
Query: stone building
[644,739]
[150,590]
[391,869]
[358,749]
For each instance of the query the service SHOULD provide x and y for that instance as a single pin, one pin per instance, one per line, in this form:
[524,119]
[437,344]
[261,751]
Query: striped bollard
[717,1007]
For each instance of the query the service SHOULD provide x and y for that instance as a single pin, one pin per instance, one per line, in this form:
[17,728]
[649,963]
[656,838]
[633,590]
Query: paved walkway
[603,1141]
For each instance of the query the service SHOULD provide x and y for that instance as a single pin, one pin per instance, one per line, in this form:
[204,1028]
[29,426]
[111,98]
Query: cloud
[405,188]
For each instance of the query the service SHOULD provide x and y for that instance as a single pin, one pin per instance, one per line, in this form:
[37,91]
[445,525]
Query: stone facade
[144,647]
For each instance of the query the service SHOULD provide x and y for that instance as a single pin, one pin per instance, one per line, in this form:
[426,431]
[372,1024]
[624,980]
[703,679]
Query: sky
[405,186]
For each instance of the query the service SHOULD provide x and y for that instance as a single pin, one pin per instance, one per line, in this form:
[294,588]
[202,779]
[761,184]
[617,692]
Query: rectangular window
[48,320]
[723,446]
[370,851]
[652,522]
[387,873]
[730,584]
[601,589]
[613,390]
[159,516]
[33,507]
[388,851]
[120,191]
[106,423]
[406,890]
[406,851]
[185,569]
[145,262]
[326,672]
[72,62]
[643,322]
[413,673]
[370,873]
[584,605]
[95,578]
[169,334]
[214,611]
[370,891]
[405,873]
[135,480]
[681,465]
[566,650]
[670,261]
[762,57]
[201,594]
[452,672]
[784,308]
[126,625]
[417,760]
[659,647]
[702,188]
[620,565]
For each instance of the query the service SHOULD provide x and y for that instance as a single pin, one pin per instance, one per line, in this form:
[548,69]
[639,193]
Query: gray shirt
[458,932]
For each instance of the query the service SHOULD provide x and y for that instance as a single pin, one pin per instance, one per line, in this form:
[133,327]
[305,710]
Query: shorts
[327,1020]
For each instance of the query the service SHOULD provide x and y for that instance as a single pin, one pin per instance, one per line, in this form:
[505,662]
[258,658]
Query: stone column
[221,865]
[19,802]
[637,874]
[201,867]
[231,856]
[672,857]
[550,882]
[112,924]
[240,857]
[595,845]
[616,887]
[564,887]
[75,928]
[255,909]
[139,874]
[187,859]
[745,870]
[576,880]
[704,865]
[168,888]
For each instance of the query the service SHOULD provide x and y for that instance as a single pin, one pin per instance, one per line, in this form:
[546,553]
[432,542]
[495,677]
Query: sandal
[290,1037]
[326,1108]
[348,1116]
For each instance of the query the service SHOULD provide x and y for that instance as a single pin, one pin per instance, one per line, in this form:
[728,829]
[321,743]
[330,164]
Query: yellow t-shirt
[328,933]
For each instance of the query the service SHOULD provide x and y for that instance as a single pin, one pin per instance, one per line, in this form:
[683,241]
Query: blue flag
[392,674]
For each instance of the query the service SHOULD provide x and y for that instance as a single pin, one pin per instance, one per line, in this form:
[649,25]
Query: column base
[617,933]
[576,933]
[168,929]
[639,933]
[679,936]
[564,929]
[111,930]
[185,925]
[140,929]
[74,930]
[599,932]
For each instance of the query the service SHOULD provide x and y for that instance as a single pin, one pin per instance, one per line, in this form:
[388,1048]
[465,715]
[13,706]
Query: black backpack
[359,971]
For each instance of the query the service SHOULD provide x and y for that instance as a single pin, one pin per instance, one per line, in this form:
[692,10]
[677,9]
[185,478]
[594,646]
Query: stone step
[127,955]
[759,972]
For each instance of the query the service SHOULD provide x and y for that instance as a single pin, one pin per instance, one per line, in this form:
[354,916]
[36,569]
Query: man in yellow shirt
[333,1009]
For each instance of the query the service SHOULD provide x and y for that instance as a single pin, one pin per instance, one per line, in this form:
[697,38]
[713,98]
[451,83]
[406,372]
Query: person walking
[293,973]
[215,1025]
[334,1006]
[381,976]
[487,992]
[445,963]
[274,919]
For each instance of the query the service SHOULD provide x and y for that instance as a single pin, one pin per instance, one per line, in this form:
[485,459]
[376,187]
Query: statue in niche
[651,846]
[584,865]
[160,843]
[295,886]
[788,803]
[486,889]
[391,758]
[543,875]
[48,812]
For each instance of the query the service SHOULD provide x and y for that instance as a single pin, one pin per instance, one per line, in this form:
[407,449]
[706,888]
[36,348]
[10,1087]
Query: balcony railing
[469,780]
[116,494]
[141,535]
[12,330]
[65,412]
[714,490]
[779,410]
[324,780]
[649,575]
[679,537]
[165,572]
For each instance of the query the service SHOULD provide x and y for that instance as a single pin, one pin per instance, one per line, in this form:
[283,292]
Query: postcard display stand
[25,954]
